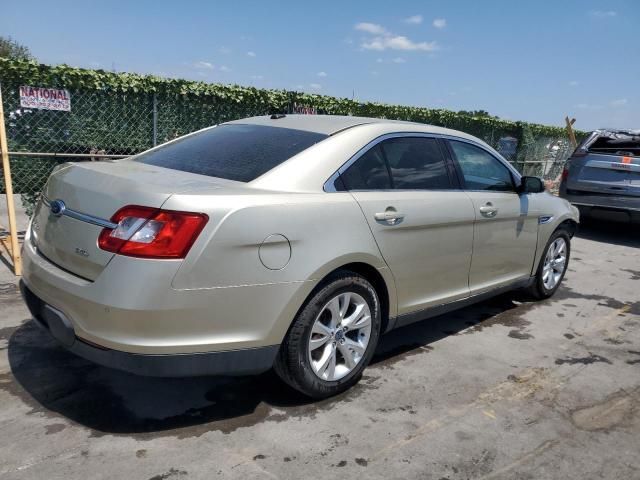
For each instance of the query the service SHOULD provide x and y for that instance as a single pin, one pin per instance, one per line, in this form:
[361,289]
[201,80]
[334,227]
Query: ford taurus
[291,242]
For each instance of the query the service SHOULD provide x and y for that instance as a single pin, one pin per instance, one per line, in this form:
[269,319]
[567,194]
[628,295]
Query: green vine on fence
[64,76]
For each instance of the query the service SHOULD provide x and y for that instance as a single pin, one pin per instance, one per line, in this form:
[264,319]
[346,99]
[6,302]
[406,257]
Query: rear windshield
[617,144]
[234,152]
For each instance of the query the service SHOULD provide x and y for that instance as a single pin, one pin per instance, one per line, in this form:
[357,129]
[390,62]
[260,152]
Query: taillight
[152,233]
[565,171]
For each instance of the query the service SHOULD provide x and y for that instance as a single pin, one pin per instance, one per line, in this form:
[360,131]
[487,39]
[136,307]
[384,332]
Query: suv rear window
[617,144]
[234,152]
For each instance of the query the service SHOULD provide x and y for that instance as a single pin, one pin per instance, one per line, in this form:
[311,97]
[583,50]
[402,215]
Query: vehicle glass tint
[480,169]
[416,164]
[369,172]
[234,152]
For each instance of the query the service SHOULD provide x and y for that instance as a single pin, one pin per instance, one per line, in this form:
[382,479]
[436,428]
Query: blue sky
[535,61]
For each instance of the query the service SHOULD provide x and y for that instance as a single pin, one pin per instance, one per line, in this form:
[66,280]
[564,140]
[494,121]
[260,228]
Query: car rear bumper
[234,362]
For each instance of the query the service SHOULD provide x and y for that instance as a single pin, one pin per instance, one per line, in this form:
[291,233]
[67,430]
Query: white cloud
[224,68]
[322,74]
[299,87]
[440,23]
[372,28]
[379,60]
[620,102]
[315,86]
[399,60]
[224,50]
[256,77]
[383,39]
[251,54]
[398,42]
[202,65]
[573,83]
[603,13]
[414,20]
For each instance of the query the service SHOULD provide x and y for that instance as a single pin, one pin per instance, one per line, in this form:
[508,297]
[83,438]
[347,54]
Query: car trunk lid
[92,193]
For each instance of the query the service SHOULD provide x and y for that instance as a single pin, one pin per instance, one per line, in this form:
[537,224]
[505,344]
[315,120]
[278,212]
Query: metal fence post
[8,188]
[155,120]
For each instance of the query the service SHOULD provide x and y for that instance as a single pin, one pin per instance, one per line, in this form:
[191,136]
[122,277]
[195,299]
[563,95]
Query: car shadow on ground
[623,234]
[54,382]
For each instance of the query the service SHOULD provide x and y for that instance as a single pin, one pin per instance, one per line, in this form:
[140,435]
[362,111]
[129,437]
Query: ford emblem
[57,208]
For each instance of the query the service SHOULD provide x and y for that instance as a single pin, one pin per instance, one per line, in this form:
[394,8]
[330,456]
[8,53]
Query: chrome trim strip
[329,185]
[83,217]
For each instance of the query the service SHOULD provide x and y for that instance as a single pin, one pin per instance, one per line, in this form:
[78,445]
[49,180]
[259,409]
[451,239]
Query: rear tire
[333,337]
[553,265]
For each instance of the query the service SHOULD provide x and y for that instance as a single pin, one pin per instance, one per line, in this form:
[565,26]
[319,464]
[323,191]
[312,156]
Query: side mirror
[531,185]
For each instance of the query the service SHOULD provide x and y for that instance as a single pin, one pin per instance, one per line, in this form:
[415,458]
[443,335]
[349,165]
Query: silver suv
[602,177]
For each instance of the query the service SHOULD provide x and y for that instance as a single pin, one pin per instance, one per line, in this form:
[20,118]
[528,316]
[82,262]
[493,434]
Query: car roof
[332,124]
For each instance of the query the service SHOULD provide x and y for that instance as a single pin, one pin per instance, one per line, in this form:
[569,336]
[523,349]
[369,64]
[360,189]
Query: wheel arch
[373,276]
[570,225]
[380,278]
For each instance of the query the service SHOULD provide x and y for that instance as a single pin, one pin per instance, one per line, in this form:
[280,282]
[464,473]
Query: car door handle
[390,216]
[488,210]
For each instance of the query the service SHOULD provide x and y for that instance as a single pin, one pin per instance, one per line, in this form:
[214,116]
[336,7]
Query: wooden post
[570,132]
[8,188]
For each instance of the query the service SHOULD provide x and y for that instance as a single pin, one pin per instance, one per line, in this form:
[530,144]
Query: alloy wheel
[340,336]
[554,263]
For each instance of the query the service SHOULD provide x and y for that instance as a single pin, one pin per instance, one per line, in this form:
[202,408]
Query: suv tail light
[565,170]
[152,233]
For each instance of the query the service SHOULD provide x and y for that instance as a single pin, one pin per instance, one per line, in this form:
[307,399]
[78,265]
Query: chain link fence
[104,124]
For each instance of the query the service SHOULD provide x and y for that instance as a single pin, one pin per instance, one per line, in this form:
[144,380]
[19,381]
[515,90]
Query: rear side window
[403,163]
[416,164]
[234,152]
[480,169]
[369,172]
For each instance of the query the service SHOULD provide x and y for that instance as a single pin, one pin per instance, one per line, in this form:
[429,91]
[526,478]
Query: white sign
[45,98]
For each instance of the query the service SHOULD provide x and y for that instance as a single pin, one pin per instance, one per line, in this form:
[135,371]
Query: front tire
[333,337]
[553,265]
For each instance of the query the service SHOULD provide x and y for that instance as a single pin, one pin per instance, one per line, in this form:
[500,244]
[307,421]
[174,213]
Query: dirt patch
[170,474]
[635,274]
[591,358]
[635,360]
[54,428]
[606,415]
[517,334]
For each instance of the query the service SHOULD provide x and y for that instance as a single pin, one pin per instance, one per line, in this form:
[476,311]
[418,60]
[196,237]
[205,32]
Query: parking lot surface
[507,388]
